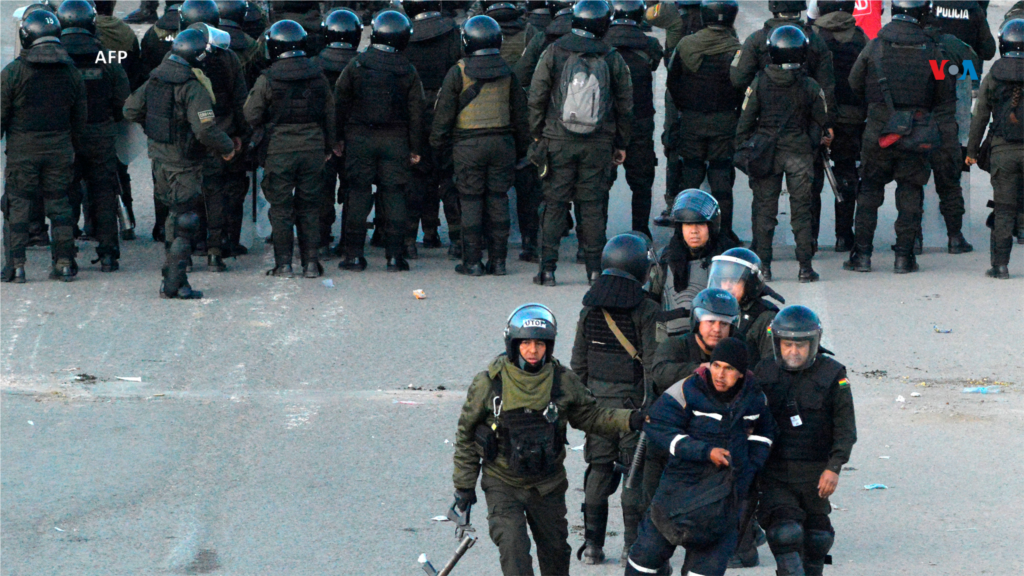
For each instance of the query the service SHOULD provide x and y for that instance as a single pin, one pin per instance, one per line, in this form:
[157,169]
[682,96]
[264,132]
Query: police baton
[826,161]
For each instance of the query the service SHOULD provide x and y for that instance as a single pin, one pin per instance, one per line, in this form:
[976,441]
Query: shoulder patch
[206,116]
[844,383]
[736,58]
[746,97]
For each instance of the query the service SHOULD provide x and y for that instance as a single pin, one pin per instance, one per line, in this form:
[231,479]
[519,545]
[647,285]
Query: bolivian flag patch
[844,383]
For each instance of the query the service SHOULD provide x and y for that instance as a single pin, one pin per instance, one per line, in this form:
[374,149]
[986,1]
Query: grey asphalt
[288,427]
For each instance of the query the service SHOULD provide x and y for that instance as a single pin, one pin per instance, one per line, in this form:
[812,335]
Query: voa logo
[940,68]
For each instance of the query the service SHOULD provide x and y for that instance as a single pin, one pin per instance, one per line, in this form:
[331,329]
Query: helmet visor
[702,315]
[796,351]
[732,275]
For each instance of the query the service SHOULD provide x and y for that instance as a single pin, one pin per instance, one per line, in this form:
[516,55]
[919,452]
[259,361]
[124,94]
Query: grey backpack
[585,92]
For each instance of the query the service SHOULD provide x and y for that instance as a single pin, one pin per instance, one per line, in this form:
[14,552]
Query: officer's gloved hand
[636,420]
[464,499]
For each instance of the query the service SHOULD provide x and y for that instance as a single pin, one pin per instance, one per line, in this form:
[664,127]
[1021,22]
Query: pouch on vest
[907,130]
[487,441]
[756,156]
[584,92]
[697,515]
[531,441]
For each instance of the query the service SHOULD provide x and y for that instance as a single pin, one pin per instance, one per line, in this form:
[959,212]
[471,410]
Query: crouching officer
[380,114]
[43,99]
[811,402]
[175,109]
[715,421]
[482,107]
[294,96]
[106,85]
[614,349]
[513,426]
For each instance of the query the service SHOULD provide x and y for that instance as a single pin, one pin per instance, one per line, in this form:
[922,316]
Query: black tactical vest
[305,100]
[910,77]
[709,88]
[810,392]
[1007,119]
[777,102]
[165,124]
[955,18]
[84,49]
[47,104]
[531,441]
[333,60]
[607,361]
[630,41]
[430,57]
[844,54]
[381,92]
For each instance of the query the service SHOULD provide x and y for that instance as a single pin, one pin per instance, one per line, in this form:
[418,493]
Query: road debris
[83,377]
[406,402]
[329,283]
[901,399]
[915,394]
[31,423]
[942,330]
[129,378]
[419,294]
[982,390]
[875,487]
[440,519]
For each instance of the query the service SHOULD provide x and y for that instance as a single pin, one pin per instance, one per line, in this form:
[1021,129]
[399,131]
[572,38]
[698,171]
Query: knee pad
[817,543]
[785,536]
[186,224]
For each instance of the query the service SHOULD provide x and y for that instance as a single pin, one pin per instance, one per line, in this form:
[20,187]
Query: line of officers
[588,109]
[748,422]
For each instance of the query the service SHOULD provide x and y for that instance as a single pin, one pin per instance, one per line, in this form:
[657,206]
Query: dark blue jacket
[688,421]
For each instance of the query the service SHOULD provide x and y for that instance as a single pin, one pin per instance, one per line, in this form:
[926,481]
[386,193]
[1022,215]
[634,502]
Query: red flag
[869,16]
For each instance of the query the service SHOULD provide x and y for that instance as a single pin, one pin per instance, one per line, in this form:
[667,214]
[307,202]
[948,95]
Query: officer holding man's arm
[809,396]
[513,427]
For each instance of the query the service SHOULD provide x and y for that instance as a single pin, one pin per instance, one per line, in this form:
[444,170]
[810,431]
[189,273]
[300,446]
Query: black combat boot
[766,271]
[354,263]
[529,251]
[214,263]
[108,263]
[665,219]
[843,244]
[312,268]
[595,523]
[496,267]
[860,260]
[467,269]
[959,245]
[431,239]
[64,269]
[998,272]
[807,273]
[410,249]
[14,273]
[282,271]
[905,264]
[398,264]
[545,278]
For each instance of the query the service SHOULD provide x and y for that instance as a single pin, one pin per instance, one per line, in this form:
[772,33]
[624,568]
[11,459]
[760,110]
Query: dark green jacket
[116,35]
[576,404]
[756,317]
[791,139]
[676,359]
[13,81]
[192,101]
[983,108]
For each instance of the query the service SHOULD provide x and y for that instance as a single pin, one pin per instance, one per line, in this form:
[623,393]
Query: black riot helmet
[495,5]
[787,47]
[560,7]
[714,304]
[196,11]
[626,256]
[830,6]
[737,266]
[719,12]
[191,47]
[481,35]
[914,11]
[215,37]
[530,322]
[799,324]
[416,9]
[233,11]
[1011,39]
[628,12]
[591,18]
[285,39]
[391,31]
[78,14]
[786,6]
[695,206]
[39,27]
[342,29]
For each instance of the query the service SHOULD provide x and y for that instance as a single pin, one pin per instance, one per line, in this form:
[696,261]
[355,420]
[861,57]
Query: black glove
[464,499]
[636,420]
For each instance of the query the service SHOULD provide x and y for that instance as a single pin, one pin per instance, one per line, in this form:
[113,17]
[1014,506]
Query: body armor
[805,394]
[709,88]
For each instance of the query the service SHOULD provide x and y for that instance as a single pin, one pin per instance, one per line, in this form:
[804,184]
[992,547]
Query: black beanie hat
[733,352]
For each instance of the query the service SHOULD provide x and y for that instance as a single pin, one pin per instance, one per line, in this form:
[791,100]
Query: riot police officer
[643,55]
[224,183]
[342,33]
[232,18]
[612,354]
[294,96]
[306,14]
[738,271]
[845,40]
[176,112]
[512,427]
[788,105]
[908,89]
[435,46]
[809,396]
[577,135]
[560,25]
[106,85]
[685,261]
[707,105]
[968,22]
[380,113]
[481,116]
[1001,98]
[43,111]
